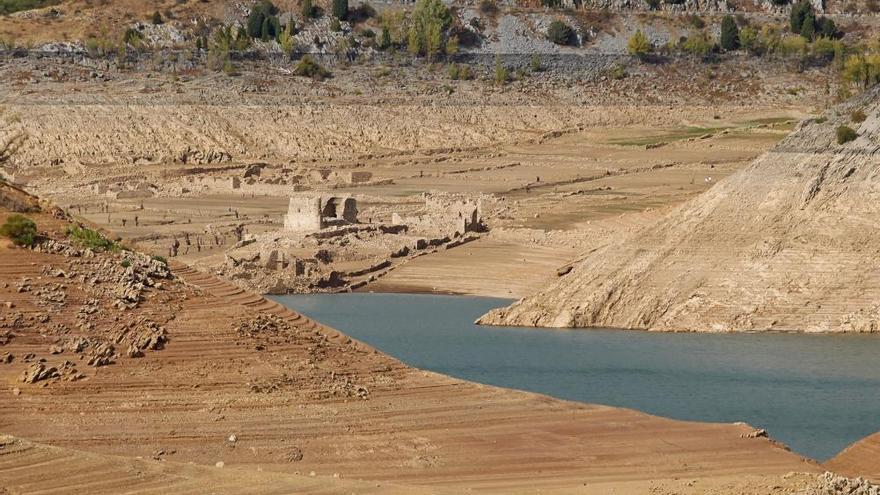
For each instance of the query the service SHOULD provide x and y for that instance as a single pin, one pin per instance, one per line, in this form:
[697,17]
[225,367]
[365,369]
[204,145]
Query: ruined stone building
[453,216]
[310,213]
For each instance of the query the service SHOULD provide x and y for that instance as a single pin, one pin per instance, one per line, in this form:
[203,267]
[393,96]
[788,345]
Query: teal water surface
[816,393]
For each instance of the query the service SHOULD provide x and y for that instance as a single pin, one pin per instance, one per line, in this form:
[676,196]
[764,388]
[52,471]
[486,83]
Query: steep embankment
[859,459]
[789,243]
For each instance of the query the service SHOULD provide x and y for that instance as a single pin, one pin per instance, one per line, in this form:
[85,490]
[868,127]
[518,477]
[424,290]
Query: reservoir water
[816,393]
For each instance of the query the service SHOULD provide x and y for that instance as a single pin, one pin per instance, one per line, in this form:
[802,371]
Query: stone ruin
[311,213]
[454,216]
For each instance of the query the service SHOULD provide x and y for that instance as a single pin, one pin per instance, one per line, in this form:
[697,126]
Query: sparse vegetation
[697,44]
[845,134]
[11,6]
[21,230]
[307,67]
[488,7]
[561,33]
[92,239]
[535,63]
[857,116]
[639,45]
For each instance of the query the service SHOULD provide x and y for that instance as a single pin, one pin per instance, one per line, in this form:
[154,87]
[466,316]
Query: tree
[729,33]
[430,19]
[808,30]
[340,9]
[826,27]
[799,12]
[560,33]
[638,44]
[257,18]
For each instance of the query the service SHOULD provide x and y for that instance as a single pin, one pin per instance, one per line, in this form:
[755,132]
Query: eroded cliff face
[789,243]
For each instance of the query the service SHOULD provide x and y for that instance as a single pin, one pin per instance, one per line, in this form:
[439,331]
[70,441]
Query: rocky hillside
[788,243]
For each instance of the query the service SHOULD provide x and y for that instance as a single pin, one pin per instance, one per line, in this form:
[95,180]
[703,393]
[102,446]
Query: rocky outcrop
[789,243]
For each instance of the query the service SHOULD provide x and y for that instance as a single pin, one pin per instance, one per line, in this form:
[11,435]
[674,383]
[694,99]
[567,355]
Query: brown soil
[293,387]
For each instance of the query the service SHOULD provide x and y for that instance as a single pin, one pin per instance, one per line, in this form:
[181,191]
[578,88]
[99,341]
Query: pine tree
[808,29]
[729,33]
[340,9]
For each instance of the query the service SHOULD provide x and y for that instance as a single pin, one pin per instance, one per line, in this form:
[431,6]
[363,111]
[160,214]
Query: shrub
[638,44]
[451,45]
[697,44]
[11,6]
[340,9]
[862,69]
[161,259]
[452,71]
[501,73]
[696,21]
[857,116]
[464,73]
[748,40]
[20,229]
[560,33]
[286,40]
[309,68]
[535,63]
[132,37]
[827,49]
[157,18]
[91,239]
[845,134]
[653,4]
[488,7]
[729,34]
[793,45]
[335,25]
[125,263]
[617,72]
